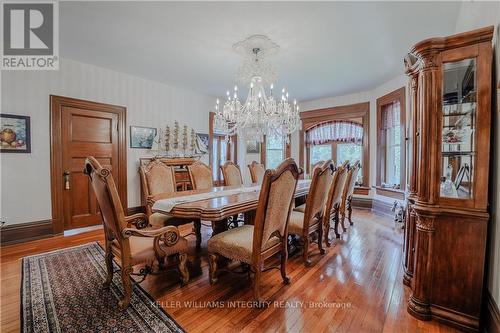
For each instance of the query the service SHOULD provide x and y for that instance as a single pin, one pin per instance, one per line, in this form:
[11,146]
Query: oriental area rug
[62,291]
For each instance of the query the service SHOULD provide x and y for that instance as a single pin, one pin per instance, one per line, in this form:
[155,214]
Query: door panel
[89,130]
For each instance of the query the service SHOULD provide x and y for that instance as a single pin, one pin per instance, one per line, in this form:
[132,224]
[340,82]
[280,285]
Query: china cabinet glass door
[458,148]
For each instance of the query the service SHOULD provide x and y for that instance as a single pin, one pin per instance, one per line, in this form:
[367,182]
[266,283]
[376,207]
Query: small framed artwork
[202,143]
[253,147]
[15,134]
[142,137]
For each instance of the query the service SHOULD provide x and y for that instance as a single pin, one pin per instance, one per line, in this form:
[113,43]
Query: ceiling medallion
[261,113]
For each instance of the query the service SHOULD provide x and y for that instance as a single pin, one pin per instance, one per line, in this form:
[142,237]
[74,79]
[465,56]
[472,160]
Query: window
[219,157]
[220,151]
[336,140]
[275,151]
[320,153]
[390,148]
[337,133]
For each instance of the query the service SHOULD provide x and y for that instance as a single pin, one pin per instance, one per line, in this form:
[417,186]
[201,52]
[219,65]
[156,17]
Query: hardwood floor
[356,287]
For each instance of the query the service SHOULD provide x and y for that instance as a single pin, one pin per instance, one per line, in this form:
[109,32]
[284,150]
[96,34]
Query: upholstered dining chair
[132,246]
[305,224]
[200,176]
[315,165]
[253,244]
[348,192]
[157,178]
[231,173]
[333,202]
[257,171]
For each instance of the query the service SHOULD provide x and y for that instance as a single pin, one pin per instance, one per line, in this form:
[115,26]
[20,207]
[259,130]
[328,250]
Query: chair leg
[109,266]
[342,220]
[197,231]
[256,284]
[212,261]
[127,287]
[305,251]
[336,223]
[327,231]
[349,210]
[284,257]
[320,238]
[183,268]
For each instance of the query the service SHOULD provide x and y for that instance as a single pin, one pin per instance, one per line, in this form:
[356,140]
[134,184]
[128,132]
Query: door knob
[66,179]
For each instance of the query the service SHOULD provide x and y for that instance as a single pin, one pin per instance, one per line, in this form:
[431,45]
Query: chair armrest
[139,220]
[169,234]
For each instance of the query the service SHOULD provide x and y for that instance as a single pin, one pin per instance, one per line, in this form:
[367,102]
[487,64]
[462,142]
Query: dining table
[216,204]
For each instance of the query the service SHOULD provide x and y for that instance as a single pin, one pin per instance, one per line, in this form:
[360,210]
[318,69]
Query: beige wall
[25,178]
[474,15]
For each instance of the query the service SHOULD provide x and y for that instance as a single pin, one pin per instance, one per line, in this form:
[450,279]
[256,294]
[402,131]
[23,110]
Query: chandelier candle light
[259,115]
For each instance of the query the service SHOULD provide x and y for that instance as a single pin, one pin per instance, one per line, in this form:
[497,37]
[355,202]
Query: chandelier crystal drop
[263,112]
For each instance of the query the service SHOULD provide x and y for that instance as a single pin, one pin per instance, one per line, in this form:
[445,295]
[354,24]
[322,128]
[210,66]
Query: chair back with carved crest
[315,165]
[104,187]
[232,174]
[315,203]
[156,177]
[200,176]
[335,192]
[257,171]
[275,203]
[350,181]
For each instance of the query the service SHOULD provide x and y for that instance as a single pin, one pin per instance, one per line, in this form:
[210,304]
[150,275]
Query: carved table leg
[197,232]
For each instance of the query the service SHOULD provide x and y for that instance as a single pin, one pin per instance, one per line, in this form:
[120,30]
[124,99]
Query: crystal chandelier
[261,113]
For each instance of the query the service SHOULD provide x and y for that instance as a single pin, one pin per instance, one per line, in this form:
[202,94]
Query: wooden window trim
[315,117]
[396,95]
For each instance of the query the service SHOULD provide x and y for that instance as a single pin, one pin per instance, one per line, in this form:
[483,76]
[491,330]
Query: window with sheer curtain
[339,140]
[391,128]
[390,143]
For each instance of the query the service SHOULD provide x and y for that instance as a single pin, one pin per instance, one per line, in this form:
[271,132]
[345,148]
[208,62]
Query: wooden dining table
[219,208]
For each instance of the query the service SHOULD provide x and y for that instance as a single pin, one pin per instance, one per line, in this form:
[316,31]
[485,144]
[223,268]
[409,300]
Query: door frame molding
[56,183]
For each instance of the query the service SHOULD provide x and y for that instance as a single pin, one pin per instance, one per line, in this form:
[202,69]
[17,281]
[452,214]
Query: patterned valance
[335,131]
[391,115]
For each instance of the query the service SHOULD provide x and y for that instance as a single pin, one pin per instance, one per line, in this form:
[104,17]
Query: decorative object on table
[399,214]
[175,140]
[184,139]
[51,297]
[253,147]
[457,136]
[193,142]
[259,114]
[202,143]
[142,137]
[15,135]
[167,138]
[169,144]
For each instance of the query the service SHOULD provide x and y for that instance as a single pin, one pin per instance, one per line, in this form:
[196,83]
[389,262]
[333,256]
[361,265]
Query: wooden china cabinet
[447,215]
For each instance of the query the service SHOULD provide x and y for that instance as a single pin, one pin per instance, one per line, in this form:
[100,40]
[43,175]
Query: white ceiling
[327,48]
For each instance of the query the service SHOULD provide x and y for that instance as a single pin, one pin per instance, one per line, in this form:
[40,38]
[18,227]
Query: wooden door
[81,129]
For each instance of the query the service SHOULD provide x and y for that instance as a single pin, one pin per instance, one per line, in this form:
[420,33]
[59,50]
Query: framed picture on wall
[15,134]
[202,143]
[253,147]
[142,137]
